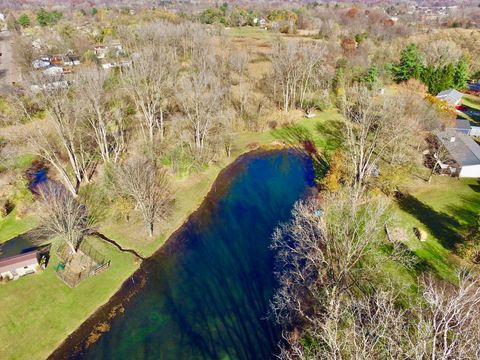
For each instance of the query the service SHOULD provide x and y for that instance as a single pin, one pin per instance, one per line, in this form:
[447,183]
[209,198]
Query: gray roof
[462,124]
[463,148]
[451,96]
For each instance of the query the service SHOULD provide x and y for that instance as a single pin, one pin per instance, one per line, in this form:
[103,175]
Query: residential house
[463,126]
[464,150]
[14,267]
[41,63]
[101,50]
[53,71]
[452,97]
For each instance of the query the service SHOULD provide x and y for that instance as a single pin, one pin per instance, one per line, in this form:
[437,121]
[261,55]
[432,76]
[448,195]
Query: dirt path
[8,70]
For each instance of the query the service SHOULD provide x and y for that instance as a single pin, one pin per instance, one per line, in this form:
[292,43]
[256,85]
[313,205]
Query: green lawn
[471,101]
[442,209]
[38,311]
[10,226]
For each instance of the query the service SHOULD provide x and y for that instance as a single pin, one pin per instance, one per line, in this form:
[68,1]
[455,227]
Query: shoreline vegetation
[189,198]
[99,322]
[141,115]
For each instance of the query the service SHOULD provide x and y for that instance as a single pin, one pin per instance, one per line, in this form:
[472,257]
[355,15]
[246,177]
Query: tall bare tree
[105,120]
[322,250]
[294,67]
[62,136]
[149,83]
[334,302]
[148,185]
[62,216]
[449,325]
[200,99]
[375,128]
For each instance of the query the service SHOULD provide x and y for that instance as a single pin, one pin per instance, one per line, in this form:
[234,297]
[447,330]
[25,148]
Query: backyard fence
[86,262]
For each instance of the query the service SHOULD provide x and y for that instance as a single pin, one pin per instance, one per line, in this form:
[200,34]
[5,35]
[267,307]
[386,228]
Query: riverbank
[198,266]
[90,331]
[55,310]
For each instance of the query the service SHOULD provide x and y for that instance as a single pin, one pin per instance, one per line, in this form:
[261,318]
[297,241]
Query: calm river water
[208,290]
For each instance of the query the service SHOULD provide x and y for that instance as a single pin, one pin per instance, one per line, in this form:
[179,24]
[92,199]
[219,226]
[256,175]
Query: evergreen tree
[438,79]
[24,20]
[45,18]
[371,77]
[461,74]
[410,65]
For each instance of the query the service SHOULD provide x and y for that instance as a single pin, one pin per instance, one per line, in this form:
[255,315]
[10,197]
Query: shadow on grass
[415,264]
[330,131]
[301,139]
[475,188]
[442,226]
[468,211]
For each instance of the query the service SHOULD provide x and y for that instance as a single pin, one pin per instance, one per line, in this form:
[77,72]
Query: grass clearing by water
[43,304]
[39,310]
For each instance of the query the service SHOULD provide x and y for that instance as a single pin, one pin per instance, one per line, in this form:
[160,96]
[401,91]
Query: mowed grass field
[442,209]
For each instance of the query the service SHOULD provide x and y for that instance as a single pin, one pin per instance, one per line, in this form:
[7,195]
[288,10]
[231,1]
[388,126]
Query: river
[208,289]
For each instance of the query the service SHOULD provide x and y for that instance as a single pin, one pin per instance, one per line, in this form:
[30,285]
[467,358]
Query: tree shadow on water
[441,225]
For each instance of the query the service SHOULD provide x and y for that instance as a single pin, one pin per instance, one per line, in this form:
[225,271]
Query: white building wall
[472,171]
[475,131]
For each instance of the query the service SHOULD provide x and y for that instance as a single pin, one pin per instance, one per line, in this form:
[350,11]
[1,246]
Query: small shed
[452,97]
[14,267]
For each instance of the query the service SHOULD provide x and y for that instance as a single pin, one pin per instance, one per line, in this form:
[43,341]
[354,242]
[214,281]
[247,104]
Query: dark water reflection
[208,292]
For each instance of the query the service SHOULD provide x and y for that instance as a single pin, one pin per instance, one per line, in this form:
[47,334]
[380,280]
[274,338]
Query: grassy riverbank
[42,304]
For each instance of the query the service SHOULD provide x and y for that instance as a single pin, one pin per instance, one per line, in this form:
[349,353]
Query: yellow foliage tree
[336,174]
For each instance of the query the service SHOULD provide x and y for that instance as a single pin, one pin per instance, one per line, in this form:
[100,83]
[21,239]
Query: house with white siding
[464,150]
[14,267]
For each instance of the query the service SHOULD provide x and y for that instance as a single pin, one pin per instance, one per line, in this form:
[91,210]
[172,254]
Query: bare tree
[149,83]
[440,53]
[322,252]
[105,120]
[62,135]
[62,216]
[148,185]
[200,99]
[449,325]
[294,67]
[239,61]
[335,303]
[375,128]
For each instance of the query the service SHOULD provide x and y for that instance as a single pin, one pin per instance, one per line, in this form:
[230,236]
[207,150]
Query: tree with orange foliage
[349,46]
[336,174]
[352,12]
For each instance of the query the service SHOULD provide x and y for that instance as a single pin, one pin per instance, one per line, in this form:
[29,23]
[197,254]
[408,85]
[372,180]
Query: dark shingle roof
[463,148]
[462,124]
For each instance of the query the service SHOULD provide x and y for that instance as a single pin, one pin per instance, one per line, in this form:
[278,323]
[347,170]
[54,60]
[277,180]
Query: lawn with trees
[133,151]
